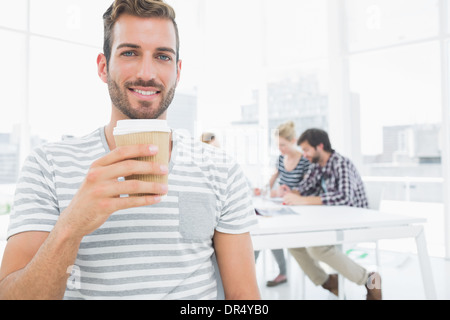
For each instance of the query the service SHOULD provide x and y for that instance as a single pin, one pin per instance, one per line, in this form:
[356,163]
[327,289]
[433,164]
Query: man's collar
[329,155]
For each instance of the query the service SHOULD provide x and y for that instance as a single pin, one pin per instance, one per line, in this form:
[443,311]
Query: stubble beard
[315,159]
[146,109]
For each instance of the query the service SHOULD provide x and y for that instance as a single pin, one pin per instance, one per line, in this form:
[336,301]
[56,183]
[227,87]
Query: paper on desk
[269,208]
[276,200]
[276,212]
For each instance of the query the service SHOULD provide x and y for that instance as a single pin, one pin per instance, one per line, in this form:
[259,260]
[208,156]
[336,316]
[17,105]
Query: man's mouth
[145,93]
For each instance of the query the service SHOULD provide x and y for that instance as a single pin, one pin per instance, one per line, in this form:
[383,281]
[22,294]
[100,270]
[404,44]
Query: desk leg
[341,278]
[263,253]
[341,281]
[425,266]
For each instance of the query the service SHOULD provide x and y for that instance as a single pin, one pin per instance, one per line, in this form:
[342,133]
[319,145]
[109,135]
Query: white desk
[334,225]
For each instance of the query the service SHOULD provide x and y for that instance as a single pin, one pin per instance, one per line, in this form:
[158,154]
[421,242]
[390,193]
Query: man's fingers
[117,204]
[138,187]
[130,167]
[127,152]
[114,188]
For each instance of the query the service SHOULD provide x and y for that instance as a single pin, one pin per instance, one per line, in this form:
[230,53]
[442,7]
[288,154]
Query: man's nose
[147,69]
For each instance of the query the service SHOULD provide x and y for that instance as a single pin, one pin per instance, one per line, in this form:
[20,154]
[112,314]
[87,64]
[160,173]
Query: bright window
[378,23]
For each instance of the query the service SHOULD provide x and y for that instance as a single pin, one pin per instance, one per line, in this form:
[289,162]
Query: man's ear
[320,146]
[179,64]
[102,67]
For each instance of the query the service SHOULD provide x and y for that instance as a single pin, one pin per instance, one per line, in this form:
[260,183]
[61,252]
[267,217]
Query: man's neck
[324,158]
[109,128]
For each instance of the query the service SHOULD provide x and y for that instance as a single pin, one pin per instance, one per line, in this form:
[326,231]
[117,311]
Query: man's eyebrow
[135,46]
[128,45]
[166,49]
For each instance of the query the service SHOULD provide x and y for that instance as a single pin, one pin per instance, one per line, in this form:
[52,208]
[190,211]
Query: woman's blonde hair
[287,131]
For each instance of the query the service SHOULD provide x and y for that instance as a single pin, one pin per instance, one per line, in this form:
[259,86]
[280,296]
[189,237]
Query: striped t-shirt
[293,177]
[163,251]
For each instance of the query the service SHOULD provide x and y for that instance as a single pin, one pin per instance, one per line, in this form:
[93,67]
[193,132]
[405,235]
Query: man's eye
[128,54]
[164,57]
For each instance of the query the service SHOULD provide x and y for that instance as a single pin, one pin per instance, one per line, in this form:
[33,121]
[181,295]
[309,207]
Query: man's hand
[257,192]
[284,190]
[35,264]
[293,199]
[99,195]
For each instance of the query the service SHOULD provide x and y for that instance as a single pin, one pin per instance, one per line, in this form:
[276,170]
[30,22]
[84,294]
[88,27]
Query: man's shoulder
[77,149]
[91,141]
[341,162]
[339,158]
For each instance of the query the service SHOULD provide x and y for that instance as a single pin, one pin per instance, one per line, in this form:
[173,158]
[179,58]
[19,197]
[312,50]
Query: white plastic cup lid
[140,125]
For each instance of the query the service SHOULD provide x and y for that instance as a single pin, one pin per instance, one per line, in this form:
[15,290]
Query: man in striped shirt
[72,235]
[331,180]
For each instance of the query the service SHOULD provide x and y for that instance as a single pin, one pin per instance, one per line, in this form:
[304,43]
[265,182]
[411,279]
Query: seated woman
[290,170]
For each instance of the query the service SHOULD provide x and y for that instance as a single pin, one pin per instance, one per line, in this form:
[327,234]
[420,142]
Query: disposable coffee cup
[155,132]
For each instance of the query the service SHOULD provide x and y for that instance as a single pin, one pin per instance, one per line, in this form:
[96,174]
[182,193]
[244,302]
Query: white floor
[400,272]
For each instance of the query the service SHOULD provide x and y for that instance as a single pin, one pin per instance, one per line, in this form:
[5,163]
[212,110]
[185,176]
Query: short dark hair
[315,137]
[139,8]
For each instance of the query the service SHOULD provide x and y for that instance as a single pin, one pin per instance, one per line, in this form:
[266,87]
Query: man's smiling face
[143,73]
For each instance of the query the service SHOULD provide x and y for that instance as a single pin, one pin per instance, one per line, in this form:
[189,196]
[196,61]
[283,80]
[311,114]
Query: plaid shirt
[338,183]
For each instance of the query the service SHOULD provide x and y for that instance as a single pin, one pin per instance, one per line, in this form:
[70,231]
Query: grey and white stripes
[156,252]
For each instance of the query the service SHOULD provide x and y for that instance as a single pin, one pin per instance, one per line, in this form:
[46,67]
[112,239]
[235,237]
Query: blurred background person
[332,181]
[291,165]
[210,138]
[290,169]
